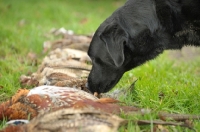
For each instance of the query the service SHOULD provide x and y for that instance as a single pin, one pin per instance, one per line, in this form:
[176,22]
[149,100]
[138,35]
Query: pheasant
[27,103]
[71,120]
[69,40]
[65,57]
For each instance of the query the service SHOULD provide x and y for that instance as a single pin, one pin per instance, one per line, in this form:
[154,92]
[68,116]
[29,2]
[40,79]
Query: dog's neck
[169,15]
[181,20]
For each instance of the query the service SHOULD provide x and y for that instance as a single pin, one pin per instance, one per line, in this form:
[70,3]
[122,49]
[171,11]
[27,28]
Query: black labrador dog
[137,32]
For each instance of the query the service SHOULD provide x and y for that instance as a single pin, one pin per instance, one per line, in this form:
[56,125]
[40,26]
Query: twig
[70,67]
[160,122]
[178,117]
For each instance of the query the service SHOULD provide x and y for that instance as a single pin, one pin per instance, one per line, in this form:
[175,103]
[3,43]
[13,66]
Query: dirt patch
[185,54]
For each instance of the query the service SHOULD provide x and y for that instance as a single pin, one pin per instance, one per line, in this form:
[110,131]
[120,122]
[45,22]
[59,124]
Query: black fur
[137,32]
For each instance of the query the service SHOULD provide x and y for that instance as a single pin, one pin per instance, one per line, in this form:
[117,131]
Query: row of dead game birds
[59,100]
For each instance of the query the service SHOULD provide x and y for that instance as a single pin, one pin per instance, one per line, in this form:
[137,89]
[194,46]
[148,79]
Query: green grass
[165,85]
[177,82]
[24,25]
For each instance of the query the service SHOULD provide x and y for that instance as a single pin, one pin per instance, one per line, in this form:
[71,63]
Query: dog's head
[107,54]
[117,47]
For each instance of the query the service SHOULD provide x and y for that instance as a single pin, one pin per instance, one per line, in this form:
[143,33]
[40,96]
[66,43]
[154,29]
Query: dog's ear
[115,37]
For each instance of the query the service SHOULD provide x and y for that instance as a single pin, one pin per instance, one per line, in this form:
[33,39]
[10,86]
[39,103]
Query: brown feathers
[71,120]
